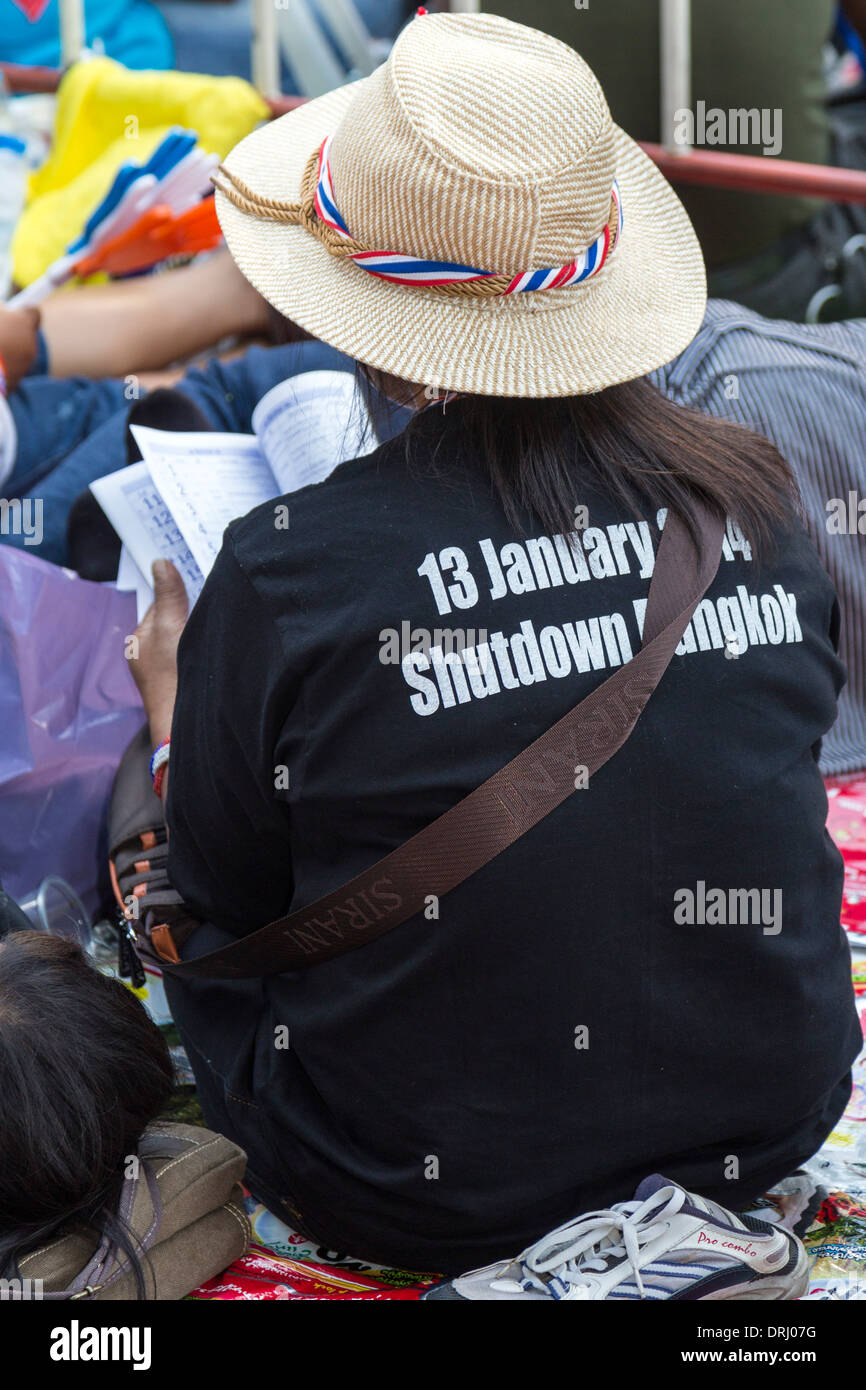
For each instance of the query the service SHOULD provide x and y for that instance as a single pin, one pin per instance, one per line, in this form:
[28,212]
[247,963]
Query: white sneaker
[665,1244]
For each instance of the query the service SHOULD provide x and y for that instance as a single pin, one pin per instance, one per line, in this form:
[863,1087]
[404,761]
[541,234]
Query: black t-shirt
[605,999]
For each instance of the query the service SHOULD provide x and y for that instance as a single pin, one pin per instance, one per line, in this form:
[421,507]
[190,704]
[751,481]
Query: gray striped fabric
[804,387]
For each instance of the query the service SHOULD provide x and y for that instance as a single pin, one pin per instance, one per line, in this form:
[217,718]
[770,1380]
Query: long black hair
[629,442]
[83,1071]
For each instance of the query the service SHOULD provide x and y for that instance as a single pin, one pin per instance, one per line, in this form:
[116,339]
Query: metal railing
[678,161]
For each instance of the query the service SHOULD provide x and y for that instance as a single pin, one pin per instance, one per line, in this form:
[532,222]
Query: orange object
[162,942]
[156,236]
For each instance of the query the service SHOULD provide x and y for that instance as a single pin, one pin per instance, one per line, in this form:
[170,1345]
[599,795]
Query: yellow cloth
[108,116]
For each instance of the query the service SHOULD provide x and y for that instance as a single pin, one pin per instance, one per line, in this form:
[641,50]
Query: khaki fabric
[202,1227]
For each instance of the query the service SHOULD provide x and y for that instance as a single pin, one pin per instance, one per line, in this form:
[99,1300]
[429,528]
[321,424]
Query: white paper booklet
[178,501]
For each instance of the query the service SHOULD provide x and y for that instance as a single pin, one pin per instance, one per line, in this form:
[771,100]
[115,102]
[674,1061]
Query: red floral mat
[846,821]
[262,1275]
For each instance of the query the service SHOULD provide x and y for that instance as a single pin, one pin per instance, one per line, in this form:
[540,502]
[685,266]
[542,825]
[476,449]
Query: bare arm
[145,324]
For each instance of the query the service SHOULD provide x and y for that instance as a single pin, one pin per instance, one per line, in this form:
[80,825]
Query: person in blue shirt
[132,31]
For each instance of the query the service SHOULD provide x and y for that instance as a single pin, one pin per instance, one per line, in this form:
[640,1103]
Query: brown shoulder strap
[503,808]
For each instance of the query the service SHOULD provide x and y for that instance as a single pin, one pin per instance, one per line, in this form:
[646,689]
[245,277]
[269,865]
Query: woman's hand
[154,660]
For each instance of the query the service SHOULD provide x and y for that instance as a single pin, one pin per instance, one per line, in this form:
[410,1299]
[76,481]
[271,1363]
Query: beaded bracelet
[159,764]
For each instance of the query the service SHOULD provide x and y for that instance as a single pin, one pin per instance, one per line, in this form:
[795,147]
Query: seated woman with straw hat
[495,931]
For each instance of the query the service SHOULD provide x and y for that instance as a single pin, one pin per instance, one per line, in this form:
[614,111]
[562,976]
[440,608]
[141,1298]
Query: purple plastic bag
[68,709]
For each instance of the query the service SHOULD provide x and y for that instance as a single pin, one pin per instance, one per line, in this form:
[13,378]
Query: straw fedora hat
[469,217]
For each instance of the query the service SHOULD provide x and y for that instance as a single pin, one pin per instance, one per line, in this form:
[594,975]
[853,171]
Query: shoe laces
[558,1263]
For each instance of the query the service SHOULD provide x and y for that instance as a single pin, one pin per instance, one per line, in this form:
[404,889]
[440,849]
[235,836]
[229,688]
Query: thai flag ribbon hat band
[417,270]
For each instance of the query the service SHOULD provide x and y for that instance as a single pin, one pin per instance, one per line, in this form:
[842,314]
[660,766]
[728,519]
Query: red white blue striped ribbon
[414,270]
